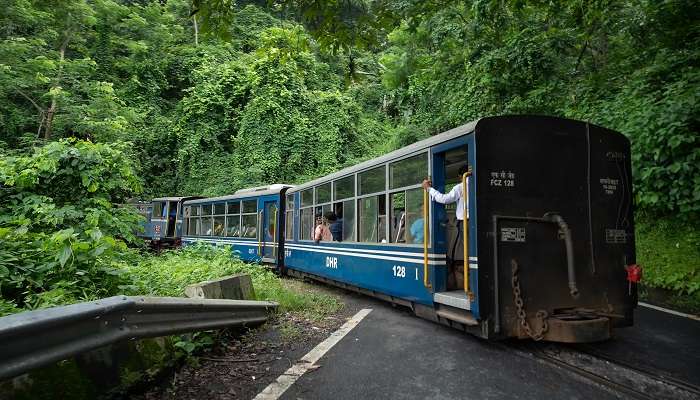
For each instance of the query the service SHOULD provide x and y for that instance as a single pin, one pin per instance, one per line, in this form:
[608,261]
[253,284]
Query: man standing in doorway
[455,195]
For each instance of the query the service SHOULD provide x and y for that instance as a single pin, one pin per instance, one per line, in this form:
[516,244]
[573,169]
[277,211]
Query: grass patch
[169,273]
[669,251]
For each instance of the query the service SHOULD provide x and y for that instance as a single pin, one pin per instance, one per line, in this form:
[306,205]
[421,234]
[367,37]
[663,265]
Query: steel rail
[38,338]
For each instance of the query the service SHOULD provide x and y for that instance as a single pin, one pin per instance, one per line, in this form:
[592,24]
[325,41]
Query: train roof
[174,198]
[245,193]
[404,151]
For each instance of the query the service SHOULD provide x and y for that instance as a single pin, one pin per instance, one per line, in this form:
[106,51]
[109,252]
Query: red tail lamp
[634,273]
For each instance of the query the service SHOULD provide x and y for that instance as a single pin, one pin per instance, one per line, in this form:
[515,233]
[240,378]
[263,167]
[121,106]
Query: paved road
[392,354]
[660,342]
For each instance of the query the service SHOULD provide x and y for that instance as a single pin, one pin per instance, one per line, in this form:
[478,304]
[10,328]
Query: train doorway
[450,162]
[269,230]
[171,218]
[454,160]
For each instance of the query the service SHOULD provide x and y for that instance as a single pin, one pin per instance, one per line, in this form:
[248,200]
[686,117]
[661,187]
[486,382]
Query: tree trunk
[196,30]
[54,103]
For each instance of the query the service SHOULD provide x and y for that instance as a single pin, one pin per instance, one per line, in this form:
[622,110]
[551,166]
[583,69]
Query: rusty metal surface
[34,339]
[577,331]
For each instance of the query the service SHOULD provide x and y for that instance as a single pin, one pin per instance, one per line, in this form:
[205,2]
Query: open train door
[455,283]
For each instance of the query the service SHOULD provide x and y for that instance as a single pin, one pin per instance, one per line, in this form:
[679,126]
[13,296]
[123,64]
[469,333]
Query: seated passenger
[322,232]
[417,230]
[336,226]
[218,229]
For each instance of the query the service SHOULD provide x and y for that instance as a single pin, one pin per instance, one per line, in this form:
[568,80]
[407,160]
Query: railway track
[616,376]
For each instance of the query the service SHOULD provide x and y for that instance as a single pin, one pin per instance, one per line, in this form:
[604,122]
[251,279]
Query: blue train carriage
[250,220]
[549,234]
[144,209]
[164,227]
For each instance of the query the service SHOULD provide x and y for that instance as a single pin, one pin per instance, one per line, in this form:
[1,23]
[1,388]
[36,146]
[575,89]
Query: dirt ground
[241,366]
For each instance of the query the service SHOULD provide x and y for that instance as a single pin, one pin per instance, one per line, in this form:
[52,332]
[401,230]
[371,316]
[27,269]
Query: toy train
[547,251]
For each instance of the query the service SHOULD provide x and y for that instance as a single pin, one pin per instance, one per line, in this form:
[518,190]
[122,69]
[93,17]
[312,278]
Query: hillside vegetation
[102,100]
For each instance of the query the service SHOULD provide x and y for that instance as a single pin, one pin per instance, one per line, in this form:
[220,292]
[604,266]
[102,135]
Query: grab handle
[465,229]
[260,232]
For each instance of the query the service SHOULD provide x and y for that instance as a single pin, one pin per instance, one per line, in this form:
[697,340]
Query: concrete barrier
[234,287]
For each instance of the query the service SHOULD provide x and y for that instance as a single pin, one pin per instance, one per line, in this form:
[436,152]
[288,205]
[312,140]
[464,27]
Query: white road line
[286,380]
[666,310]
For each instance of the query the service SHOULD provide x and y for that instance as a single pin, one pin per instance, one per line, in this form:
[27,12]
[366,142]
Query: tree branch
[41,110]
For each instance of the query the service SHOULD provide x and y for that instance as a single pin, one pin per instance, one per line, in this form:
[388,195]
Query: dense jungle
[102,101]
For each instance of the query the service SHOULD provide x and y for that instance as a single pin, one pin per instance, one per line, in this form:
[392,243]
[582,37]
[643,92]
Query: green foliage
[630,66]
[669,252]
[169,274]
[302,88]
[59,229]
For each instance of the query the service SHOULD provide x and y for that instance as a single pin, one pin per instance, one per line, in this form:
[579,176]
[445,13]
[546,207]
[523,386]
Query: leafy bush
[669,252]
[60,232]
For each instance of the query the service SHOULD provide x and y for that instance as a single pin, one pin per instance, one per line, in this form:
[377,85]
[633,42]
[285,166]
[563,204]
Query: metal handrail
[465,229]
[274,234]
[260,232]
[38,338]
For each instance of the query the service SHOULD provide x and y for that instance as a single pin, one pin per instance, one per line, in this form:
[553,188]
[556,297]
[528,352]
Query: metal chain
[522,315]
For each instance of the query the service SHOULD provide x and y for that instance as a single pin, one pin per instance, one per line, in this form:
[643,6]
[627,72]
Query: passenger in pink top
[322,231]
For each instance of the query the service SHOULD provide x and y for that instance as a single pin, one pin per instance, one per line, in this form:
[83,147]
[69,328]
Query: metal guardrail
[34,339]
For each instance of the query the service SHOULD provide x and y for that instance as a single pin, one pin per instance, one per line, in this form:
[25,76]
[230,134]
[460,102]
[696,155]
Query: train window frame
[321,189]
[186,215]
[302,210]
[161,206]
[231,203]
[202,220]
[248,214]
[303,195]
[289,217]
[384,195]
[358,180]
[393,163]
[334,190]
[216,215]
[405,189]
[233,213]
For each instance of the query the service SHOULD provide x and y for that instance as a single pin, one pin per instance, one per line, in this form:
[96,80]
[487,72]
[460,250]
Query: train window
[307,197]
[323,210]
[250,206]
[407,216]
[323,193]
[219,224]
[233,226]
[290,201]
[306,216]
[220,209]
[373,181]
[157,209]
[372,217]
[289,225]
[206,227]
[193,226]
[206,209]
[408,172]
[398,217]
[195,211]
[249,225]
[233,207]
[344,188]
[347,217]
[368,219]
